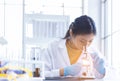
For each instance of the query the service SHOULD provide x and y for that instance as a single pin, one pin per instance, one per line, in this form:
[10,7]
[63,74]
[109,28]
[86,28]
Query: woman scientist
[63,57]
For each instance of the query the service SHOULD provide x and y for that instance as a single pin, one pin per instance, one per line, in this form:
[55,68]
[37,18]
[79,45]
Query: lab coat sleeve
[48,60]
[97,53]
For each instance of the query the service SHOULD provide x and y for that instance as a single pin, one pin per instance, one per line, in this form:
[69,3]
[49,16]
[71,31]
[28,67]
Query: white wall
[94,11]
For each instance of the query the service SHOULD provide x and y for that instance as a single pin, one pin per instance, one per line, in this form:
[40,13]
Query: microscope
[87,64]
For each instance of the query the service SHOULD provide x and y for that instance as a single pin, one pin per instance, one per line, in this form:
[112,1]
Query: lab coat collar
[62,46]
[62,43]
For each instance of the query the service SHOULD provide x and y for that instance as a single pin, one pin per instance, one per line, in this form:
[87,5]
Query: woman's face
[82,40]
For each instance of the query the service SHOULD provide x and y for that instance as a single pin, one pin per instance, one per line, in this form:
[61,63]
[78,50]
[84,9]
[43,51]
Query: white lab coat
[55,57]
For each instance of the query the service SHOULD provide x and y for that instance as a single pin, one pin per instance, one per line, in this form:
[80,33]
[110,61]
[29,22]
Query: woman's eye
[90,41]
[82,42]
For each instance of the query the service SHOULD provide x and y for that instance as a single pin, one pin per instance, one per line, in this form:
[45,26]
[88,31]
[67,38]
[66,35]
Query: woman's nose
[86,43]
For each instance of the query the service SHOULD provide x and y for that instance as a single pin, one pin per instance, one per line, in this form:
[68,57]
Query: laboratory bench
[70,79]
[77,79]
[61,79]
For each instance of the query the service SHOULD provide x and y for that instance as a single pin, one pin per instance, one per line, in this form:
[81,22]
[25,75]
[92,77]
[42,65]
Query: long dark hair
[81,26]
